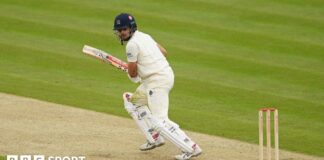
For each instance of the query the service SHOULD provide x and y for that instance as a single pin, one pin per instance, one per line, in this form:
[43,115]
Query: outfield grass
[230,58]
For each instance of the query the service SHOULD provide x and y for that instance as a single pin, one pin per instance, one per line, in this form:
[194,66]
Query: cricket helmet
[125,20]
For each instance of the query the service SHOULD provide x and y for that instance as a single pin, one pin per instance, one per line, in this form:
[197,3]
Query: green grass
[2,158]
[230,58]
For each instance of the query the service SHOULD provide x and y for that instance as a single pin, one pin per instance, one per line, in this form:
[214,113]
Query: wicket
[268,133]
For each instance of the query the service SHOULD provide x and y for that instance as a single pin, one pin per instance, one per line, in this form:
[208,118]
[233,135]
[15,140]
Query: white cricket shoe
[186,155]
[148,146]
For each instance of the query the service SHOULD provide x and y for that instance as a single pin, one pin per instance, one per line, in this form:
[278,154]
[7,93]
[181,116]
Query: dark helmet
[124,20]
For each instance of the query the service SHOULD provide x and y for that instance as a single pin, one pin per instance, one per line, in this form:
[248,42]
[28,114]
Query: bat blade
[106,57]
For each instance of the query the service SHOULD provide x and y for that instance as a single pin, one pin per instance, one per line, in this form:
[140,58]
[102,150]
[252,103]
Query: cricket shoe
[187,155]
[148,146]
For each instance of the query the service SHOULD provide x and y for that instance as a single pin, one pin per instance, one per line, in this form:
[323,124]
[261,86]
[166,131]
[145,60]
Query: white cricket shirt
[142,48]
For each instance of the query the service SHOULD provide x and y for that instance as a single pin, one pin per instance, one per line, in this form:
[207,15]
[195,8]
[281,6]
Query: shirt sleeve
[153,40]
[132,52]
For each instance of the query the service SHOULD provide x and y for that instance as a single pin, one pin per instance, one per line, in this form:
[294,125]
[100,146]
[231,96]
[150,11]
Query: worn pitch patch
[30,126]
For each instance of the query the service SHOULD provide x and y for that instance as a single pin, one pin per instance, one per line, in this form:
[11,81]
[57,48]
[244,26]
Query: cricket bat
[106,57]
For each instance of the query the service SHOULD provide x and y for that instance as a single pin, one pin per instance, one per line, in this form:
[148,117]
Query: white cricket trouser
[154,94]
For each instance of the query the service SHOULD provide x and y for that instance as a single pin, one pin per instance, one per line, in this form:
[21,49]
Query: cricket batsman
[149,104]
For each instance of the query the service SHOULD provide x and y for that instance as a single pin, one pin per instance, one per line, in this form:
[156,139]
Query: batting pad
[140,115]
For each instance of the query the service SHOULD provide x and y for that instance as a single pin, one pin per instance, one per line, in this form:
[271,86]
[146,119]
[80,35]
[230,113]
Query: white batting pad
[141,116]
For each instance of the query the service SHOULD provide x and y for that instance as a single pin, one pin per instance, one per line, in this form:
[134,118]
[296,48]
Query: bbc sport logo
[43,157]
